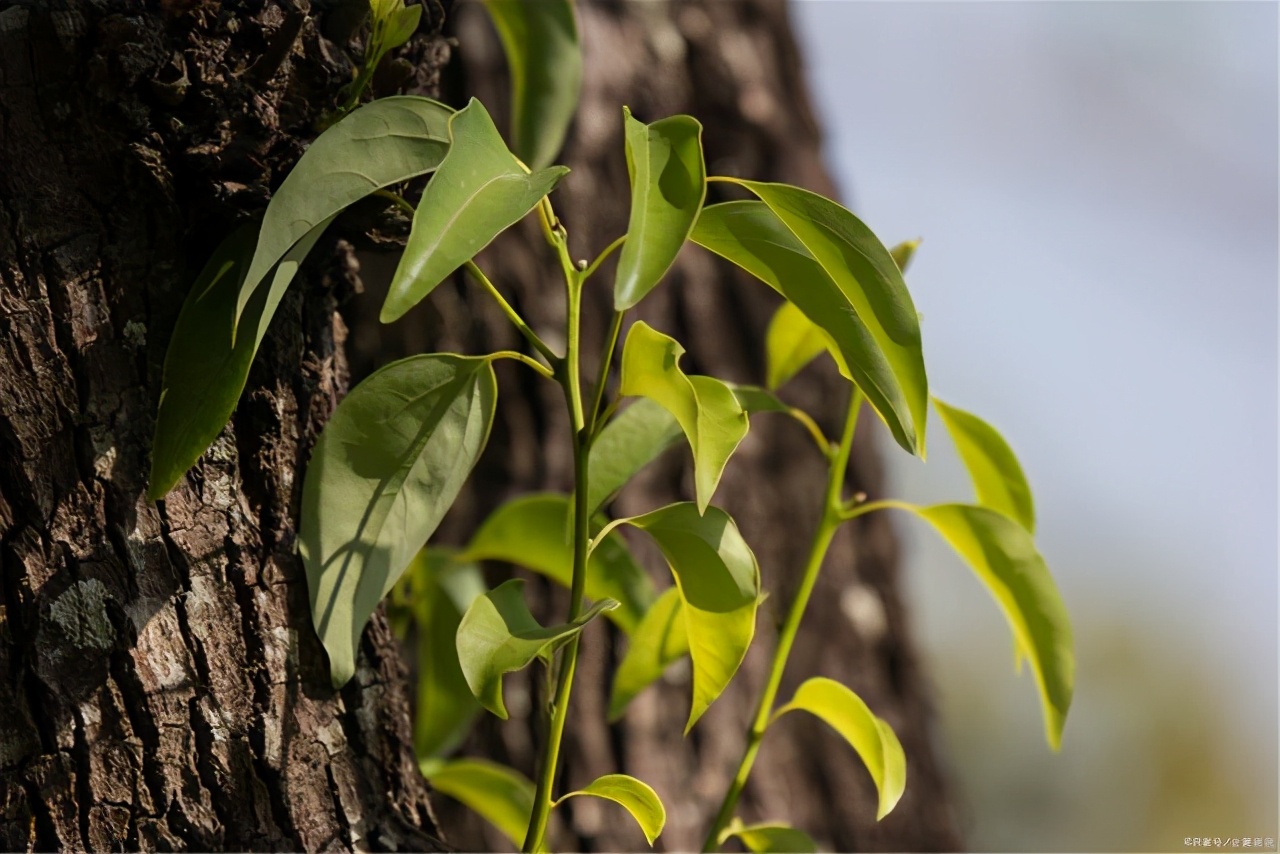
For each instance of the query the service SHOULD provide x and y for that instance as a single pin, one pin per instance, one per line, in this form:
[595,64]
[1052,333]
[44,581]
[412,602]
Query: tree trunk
[734,66]
[160,683]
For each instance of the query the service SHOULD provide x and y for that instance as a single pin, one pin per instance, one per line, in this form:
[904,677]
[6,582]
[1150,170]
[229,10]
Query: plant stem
[512,315]
[608,250]
[606,357]
[569,374]
[830,522]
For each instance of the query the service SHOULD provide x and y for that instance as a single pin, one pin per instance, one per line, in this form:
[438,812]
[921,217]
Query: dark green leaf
[533,531]
[541,43]
[478,192]
[628,443]
[719,584]
[501,796]
[872,738]
[659,640]
[993,467]
[382,143]
[846,283]
[772,838]
[498,634]
[439,591]
[637,797]
[204,372]
[668,186]
[1003,555]
[386,468]
[708,413]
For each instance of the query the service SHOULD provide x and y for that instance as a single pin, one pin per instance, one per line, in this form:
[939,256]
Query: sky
[1096,189]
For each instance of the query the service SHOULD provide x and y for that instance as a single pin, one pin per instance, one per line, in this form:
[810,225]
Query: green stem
[521,357]
[569,374]
[606,358]
[608,250]
[400,200]
[830,522]
[512,315]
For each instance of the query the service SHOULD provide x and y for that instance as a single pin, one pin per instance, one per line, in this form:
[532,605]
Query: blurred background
[1096,187]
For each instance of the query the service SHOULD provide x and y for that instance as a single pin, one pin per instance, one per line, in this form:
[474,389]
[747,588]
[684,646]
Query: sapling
[400,446]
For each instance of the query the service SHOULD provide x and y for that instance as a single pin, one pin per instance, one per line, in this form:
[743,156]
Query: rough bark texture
[160,685]
[735,66]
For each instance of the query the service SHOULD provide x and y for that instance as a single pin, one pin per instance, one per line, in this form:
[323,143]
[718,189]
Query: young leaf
[628,443]
[871,737]
[772,838]
[637,797]
[386,468]
[381,143]
[1003,555]
[498,634]
[993,467]
[501,796]
[708,413]
[393,25]
[540,41]
[668,186]
[882,353]
[660,639]
[533,531]
[719,583]
[478,192]
[440,589]
[204,371]
[791,342]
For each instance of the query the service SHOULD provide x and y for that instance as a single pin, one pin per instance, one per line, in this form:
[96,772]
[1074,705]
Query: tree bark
[736,67]
[160,684]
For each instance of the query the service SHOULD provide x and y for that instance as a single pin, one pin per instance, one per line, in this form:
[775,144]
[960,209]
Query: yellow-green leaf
[384,472]
[479,190]
[498,634]
[1003,555]
[501,796]
[629,442]
[533,531]
[993,467]
[636,797]
[668,186]
[660,639]
[706,409]
[719,584]
[769,838]
[871,737]
[793,341]
[540,40]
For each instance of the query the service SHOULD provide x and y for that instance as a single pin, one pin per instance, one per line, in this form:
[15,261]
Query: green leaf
[386,468]
[719,583]
[204,371]
[659,640]
[381,143]
[867,734]
[668,186]
[771,838]
[638,798]
[633,439]
[1003,555]
[993,467]
[533,531]
[394,24]
[541,44]
[820,257]
[501,796]
[791,342]
[706,409]
[439,590]
[478,192]
[498,634]
[754,399]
